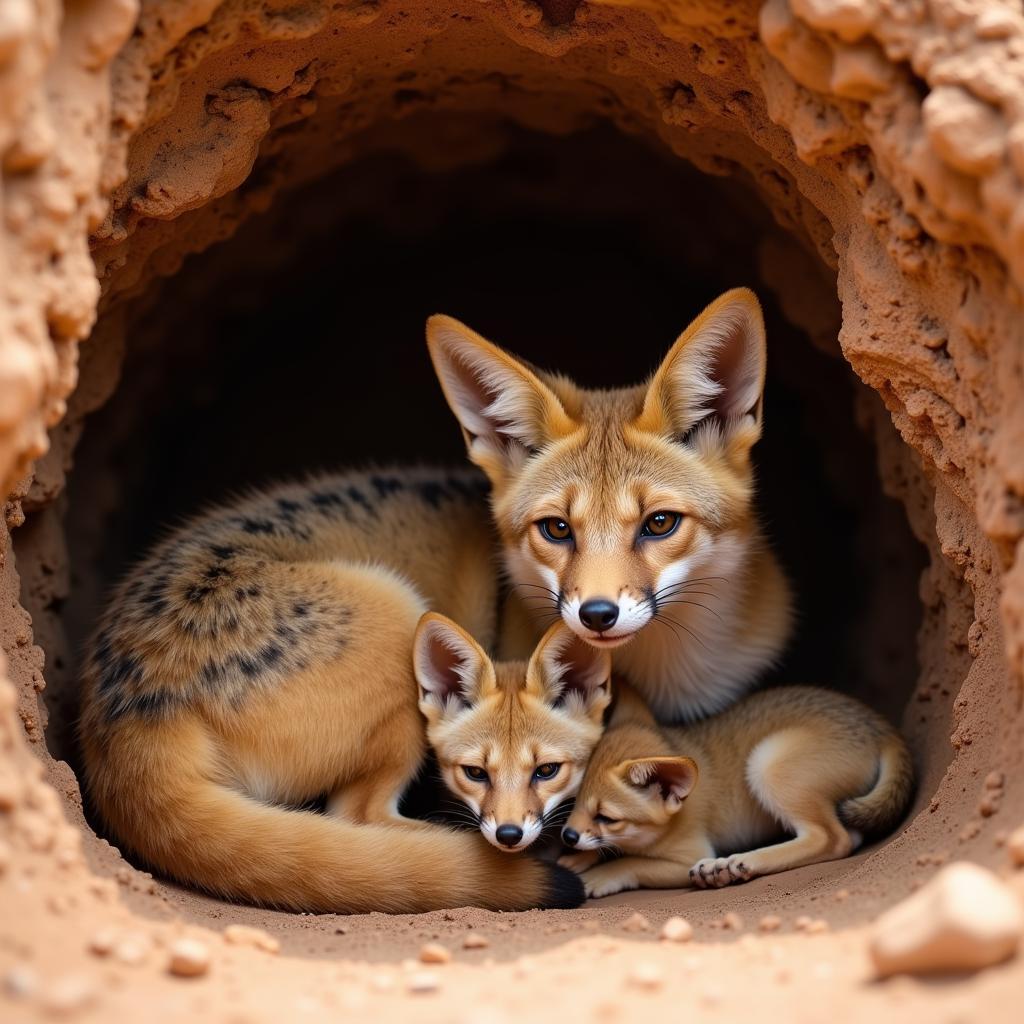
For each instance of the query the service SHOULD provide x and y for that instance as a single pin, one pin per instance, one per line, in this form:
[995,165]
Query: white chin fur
[531,830]
[633,616]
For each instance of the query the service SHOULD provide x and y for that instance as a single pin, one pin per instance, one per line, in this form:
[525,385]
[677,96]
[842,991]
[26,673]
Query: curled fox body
[713,803]
[261,657]
[631,512]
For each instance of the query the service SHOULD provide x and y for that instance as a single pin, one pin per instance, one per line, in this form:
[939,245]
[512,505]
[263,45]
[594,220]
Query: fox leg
[636,873]
[581,861]
[789,776]
[373,796]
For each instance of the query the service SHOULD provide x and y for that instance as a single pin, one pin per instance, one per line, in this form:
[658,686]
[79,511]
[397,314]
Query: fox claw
[717,872]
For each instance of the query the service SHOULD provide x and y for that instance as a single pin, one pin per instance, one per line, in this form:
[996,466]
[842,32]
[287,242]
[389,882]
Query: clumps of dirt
[887,139]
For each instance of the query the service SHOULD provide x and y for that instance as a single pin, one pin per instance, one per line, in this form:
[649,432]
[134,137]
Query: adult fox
[631,512]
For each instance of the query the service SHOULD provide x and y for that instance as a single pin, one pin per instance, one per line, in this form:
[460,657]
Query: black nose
[508,835]
[599,614]
[570,836]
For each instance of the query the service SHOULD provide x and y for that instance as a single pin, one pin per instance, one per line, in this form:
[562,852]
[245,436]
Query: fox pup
[618,509]
[799,761]
[512,740]
[261,657]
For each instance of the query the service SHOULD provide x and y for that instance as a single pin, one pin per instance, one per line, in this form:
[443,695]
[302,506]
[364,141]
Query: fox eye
[555,530]
[603,819]
[475,773]
[546,771]
[660,524]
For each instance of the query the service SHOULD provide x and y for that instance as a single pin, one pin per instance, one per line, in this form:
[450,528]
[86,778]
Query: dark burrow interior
[298,345]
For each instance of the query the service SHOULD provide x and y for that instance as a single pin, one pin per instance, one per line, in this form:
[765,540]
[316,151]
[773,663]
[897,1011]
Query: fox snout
[606,621]
[510,837]
[599,614]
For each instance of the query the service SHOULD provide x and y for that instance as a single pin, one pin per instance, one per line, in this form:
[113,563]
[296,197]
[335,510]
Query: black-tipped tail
[565,890]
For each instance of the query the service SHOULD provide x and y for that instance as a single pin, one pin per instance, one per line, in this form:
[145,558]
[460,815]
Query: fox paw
[580,862]
[605,881]
[716,872]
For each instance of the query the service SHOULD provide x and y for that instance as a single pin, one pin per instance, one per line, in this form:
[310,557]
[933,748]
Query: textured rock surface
[887,137]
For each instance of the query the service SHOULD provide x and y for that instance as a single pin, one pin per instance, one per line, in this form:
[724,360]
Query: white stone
[963,919]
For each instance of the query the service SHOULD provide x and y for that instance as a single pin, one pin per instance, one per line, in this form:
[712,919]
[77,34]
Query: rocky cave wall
[886,138]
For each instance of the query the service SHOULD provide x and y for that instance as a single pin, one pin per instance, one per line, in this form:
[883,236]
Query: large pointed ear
[674,777]
[506,411]
[568,672]
[451,668]
[713,374]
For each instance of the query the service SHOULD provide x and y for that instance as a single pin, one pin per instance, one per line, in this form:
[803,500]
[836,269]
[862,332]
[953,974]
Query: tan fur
[711,804]
[509,720]
[702,611]
[260,657]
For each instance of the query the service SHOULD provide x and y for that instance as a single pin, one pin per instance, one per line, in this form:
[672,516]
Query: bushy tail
[232,846]
[162,795]
[880,809]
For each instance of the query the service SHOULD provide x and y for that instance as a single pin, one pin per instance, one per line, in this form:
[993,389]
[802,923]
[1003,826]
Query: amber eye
[660,524]
[475,773]
[546,771]
[554,529]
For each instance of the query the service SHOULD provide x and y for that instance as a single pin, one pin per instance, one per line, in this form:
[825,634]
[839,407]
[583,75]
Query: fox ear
[675,777]
[451,668]
[568,672]
[714,373]
[506,411]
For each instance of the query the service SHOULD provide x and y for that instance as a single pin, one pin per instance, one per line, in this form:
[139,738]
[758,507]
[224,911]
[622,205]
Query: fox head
[614,505]
[512,739]
[631,791]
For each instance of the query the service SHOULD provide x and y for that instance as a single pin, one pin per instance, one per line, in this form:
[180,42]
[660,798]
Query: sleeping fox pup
[631,512]
[261,656]
[696,806]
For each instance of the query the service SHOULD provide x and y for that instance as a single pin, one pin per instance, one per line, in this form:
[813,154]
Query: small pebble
[435,953]
[1015,847]
[132,950]
[732,921]
[422,982]
[21,983]
[770,923]
[475,940]
[987,806]
[647,976]
[636,922]
[243,935]
[677,929]
[103,942]
[68,995]
[189,958]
